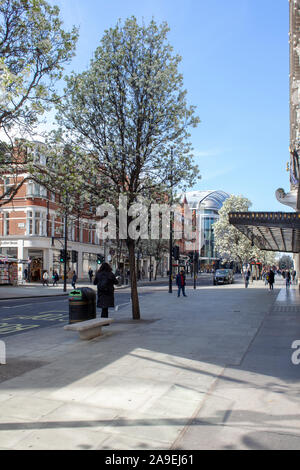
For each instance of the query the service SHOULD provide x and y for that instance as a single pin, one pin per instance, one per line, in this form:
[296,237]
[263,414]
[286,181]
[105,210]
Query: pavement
[210,371]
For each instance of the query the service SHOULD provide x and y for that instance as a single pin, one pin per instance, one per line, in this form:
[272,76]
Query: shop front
[8,271]
[35,265]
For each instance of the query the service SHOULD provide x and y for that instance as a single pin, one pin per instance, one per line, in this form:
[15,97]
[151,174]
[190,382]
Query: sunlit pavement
[213,370]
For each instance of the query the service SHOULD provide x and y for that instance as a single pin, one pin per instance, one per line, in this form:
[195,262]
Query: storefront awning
[273,231]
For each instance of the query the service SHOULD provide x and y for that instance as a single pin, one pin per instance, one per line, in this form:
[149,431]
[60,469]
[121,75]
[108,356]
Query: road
[19,315]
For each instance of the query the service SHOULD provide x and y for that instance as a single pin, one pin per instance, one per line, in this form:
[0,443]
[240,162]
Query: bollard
[2,353]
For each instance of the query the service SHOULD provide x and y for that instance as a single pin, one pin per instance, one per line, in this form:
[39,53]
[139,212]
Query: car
[223,276]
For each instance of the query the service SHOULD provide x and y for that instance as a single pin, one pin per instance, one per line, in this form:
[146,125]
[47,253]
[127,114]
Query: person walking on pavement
[180,281]
[55,278]
[91,274]
[288,279]
[105,280]
[46,278]
[271,278]
[74,279]
[247,277]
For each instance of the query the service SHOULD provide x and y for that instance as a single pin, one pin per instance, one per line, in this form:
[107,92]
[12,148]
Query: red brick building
[31,232]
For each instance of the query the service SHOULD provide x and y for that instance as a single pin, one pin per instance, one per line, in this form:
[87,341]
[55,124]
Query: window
[35,190]
[7,187]
[39,157]
[90,235]
[71,230]
[36,223]
[96,235]
[6,224]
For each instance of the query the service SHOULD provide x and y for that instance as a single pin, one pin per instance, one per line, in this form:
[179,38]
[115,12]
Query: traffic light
[194,256]
[100,259]
[74,256]
[175,252]
[62,257]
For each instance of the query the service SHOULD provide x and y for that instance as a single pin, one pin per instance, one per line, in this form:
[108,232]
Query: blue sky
[235,63]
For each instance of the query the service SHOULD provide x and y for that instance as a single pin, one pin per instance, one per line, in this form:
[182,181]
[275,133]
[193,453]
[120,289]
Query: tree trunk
[133,280]
[156,269]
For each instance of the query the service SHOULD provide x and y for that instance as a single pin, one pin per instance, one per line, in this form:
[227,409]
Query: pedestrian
[105,281]
[91,274]
[247,277]
[46,278]
[180,282]
[25,274]
[288,279]
[271,279]
[294,277]
[74,279]
[55,278]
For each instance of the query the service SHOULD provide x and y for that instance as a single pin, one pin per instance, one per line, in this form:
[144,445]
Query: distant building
[206,206]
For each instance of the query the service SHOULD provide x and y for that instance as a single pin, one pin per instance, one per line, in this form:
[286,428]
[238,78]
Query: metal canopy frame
[272,231]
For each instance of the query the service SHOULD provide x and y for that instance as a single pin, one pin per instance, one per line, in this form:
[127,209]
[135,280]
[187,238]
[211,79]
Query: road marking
[48,315]
[121,305]
[17,306]
[6,328]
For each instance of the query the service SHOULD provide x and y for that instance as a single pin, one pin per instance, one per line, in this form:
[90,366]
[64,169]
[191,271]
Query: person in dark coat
[271,278]
[74,279]
[91,274]
[180,281]
[105,281]
[247,277]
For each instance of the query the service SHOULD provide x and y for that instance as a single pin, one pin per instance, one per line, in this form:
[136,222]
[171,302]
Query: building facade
[32,232]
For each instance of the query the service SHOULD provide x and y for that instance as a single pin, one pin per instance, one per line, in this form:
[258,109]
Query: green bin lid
[76,293]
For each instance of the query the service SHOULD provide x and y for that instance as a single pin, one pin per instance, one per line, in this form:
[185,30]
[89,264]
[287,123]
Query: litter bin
[82,304]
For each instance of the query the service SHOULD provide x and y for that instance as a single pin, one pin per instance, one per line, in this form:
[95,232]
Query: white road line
[121,305]
[17,306]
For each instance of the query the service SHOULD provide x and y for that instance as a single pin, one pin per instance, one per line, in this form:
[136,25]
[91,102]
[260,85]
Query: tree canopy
[230,243]
[33,50]
[128,113]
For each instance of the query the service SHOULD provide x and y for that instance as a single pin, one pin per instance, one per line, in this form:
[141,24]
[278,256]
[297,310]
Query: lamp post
[65,245]
[171,228]
[65,250]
